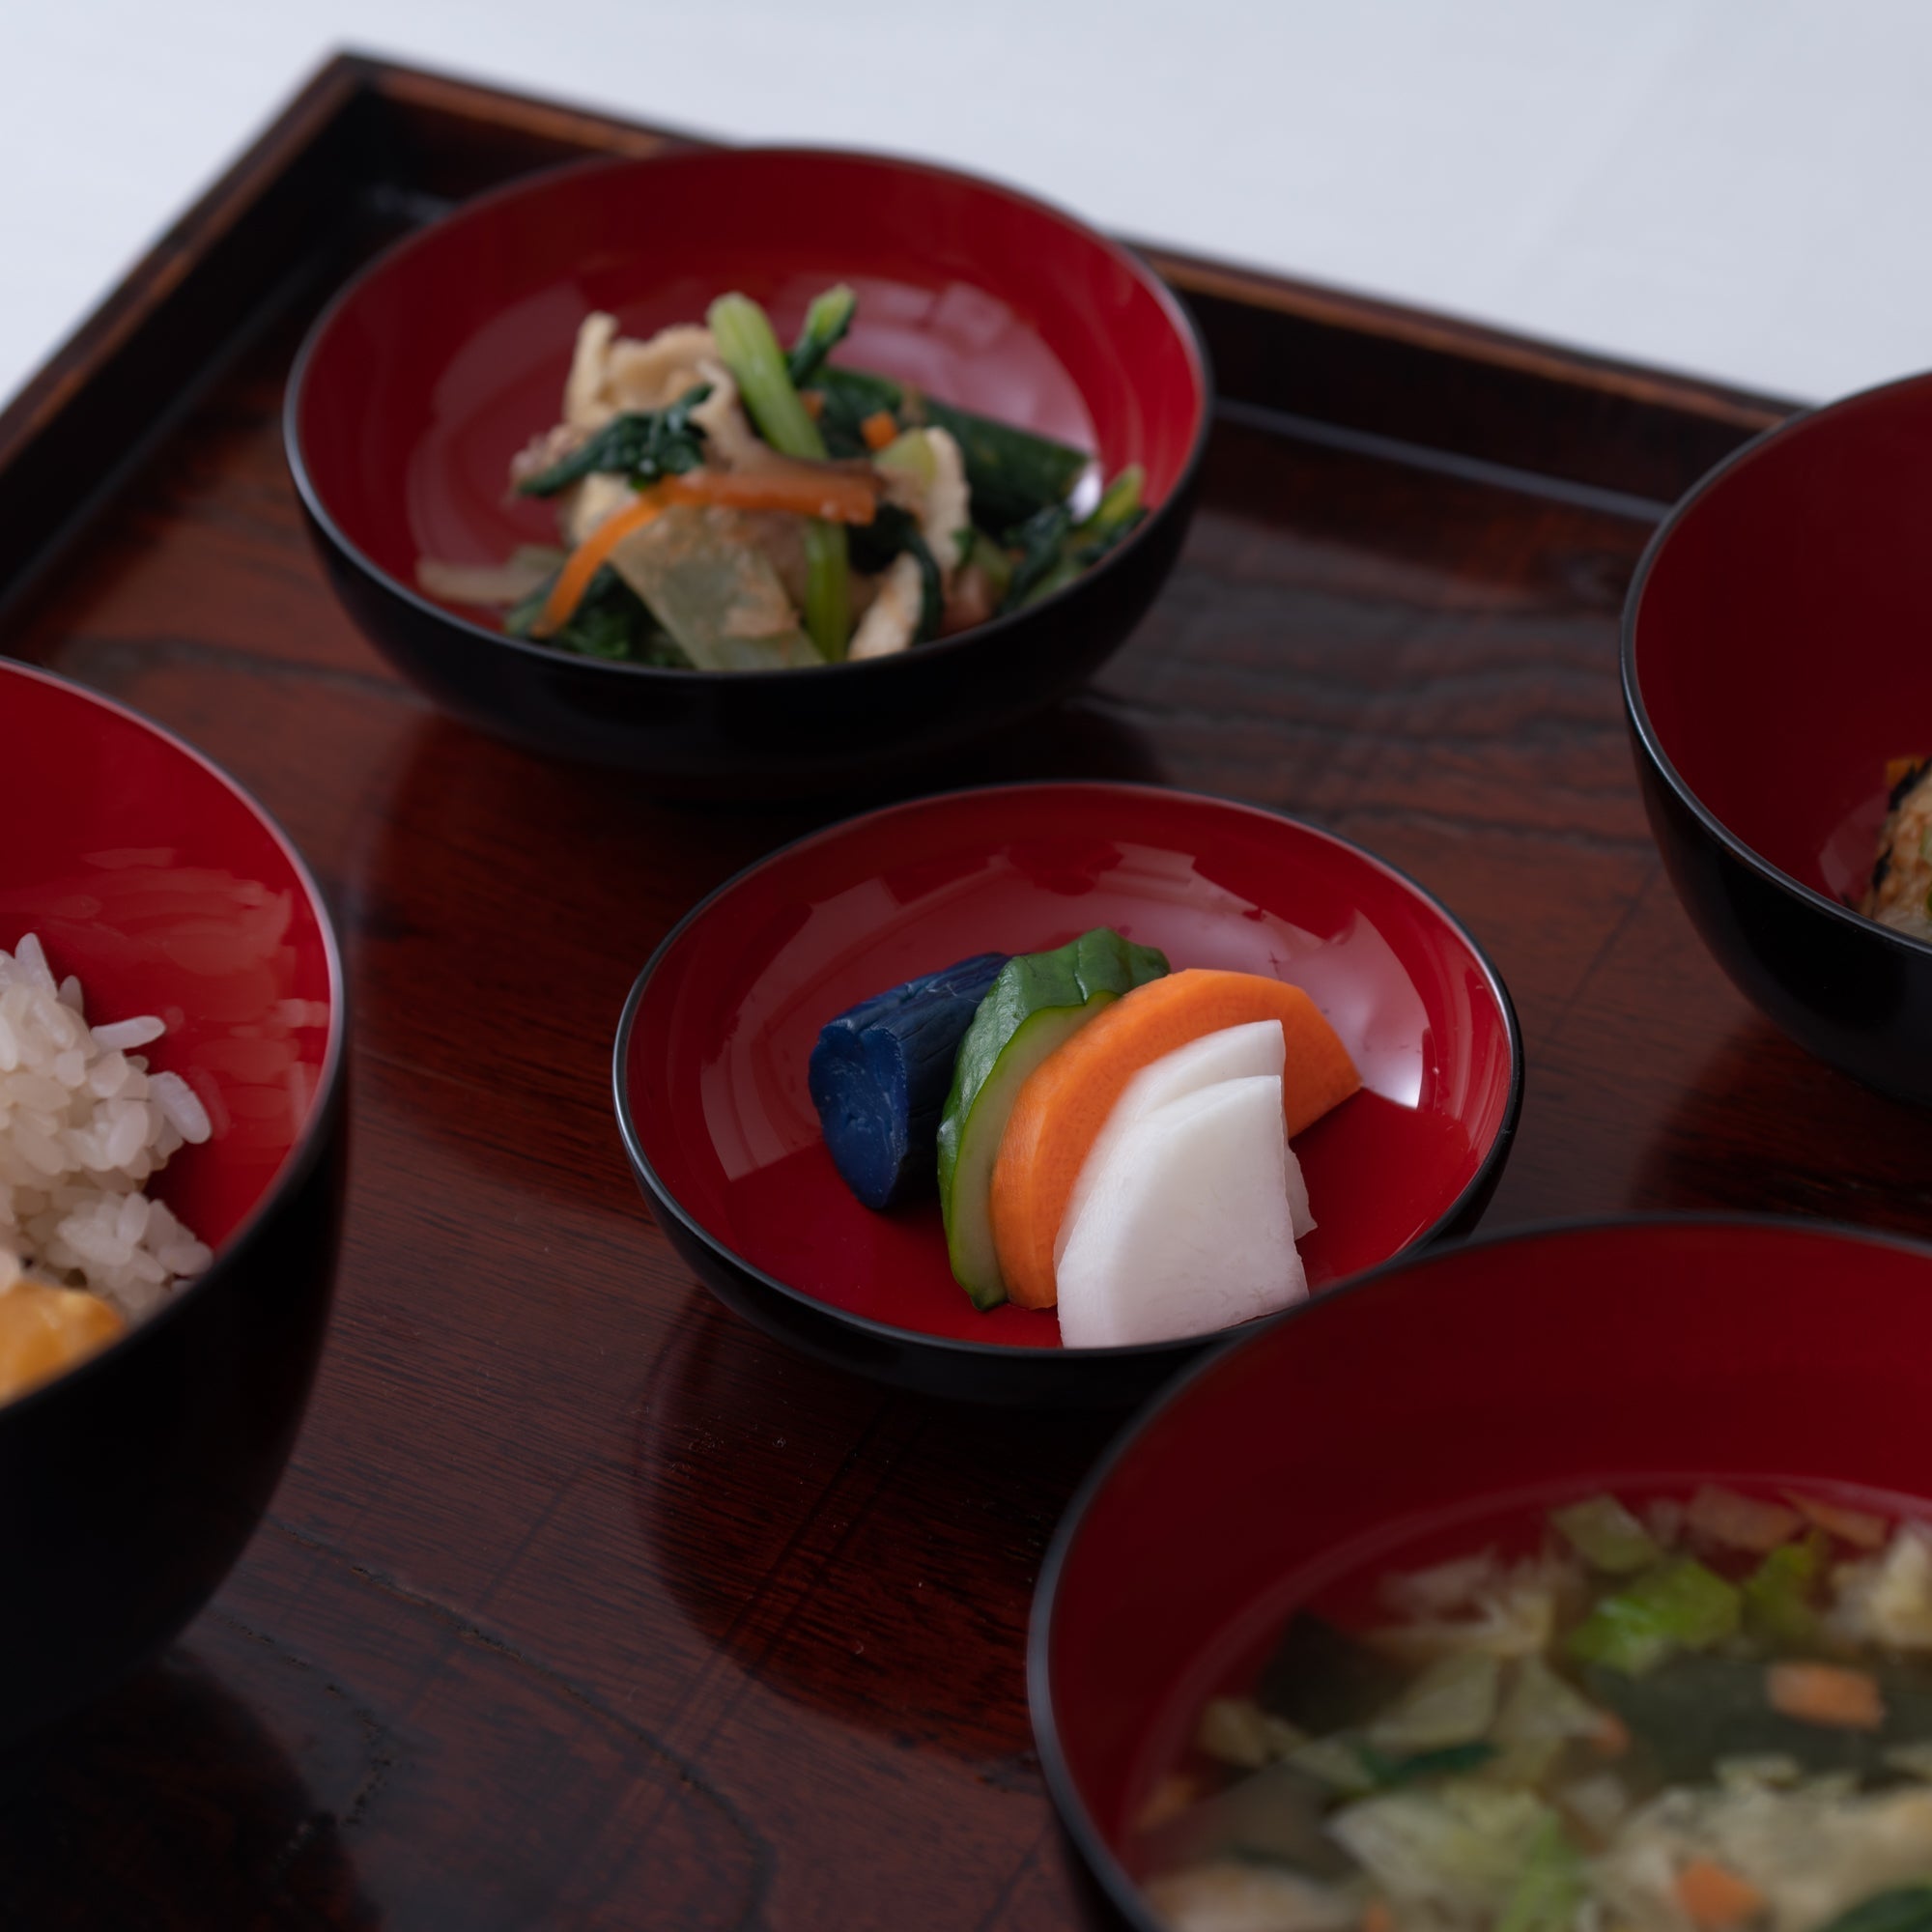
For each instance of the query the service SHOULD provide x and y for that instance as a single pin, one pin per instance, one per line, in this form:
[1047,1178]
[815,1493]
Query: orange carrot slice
[879,429]
[807,490]
[1068,1098]
[1715,1899]
[1826,1693]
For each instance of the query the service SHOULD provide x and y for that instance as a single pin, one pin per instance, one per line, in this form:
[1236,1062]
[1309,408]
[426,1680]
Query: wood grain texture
[583,1602]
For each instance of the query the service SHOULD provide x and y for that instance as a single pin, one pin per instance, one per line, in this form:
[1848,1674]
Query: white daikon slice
[1187,1229]
[1234,1053]
[1299,1217]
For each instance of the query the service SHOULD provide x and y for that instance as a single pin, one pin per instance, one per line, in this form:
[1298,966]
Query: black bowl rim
[1852,921]
[1185,330]
[300,1162]
[914,1338]
[1088,1839]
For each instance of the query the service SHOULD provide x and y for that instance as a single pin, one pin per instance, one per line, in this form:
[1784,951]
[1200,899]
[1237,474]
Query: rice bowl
[129,1484]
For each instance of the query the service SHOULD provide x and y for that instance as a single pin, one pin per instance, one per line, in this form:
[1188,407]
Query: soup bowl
[1774,662]
[448,354]
[1419,1407]
[129,1484]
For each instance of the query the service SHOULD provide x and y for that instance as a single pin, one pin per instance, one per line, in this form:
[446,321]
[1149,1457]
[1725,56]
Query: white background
[1731,187]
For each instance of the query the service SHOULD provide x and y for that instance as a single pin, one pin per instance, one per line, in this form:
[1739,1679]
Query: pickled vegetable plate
[712,1052]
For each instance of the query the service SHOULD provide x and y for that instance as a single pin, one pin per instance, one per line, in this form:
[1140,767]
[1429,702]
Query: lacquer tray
[585,1603]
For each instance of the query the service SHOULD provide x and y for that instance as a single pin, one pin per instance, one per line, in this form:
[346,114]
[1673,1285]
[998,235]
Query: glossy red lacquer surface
[447,357]
[715,1069]
[147,873]
[1415,1411]
[1784,636]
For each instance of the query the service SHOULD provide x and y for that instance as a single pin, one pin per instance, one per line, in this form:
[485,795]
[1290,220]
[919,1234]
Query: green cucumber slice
[966,1180]
[1038,1001]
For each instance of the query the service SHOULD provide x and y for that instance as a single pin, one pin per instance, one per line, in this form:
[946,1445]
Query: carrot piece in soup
[1742,1523]
[879,429]
[1611,1738]
[1714,1898]
[1826,1693]
[1066,1100]
[1858,1527]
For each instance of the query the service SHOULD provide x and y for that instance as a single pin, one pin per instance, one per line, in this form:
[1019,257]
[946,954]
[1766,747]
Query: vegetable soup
[1690,1713]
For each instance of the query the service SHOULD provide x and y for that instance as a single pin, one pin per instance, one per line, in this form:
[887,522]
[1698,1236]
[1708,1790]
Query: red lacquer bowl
[711,1055]
[1414,1412]
[445,356]
[1777,653]
[129,1486]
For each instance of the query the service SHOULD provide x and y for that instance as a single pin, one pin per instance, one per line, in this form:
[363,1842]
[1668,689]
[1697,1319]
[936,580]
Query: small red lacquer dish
[711,1055]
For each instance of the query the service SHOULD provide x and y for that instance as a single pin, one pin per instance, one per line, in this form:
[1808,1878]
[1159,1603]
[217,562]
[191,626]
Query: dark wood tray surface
[584,1604]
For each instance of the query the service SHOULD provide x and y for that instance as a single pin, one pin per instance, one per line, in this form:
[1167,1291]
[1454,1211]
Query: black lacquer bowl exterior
[1774,662]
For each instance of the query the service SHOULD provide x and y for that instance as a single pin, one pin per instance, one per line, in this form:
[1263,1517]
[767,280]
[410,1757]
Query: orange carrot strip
[879,429]
[1066,1100]
[813,401]
[1857,1527]
[1376,1917]
[837,496]
[1897,770]
[1715,1898]
[588,558]
[1826,1693]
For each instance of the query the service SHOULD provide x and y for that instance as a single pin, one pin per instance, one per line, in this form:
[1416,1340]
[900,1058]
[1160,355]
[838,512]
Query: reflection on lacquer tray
[1762,1125]
[169,1805]
[932,1573]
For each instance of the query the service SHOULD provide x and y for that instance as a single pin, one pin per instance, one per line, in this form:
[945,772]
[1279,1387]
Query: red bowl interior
[1413,1413]
[715,1064]
[450,352]
[1780,634]
[156,880]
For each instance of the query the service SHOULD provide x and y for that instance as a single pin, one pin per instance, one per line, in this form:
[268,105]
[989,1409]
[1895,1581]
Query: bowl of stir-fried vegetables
[1577,1578]
[755,470]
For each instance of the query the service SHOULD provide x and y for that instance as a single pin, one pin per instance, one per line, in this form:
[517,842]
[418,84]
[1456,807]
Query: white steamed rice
[83,1123]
